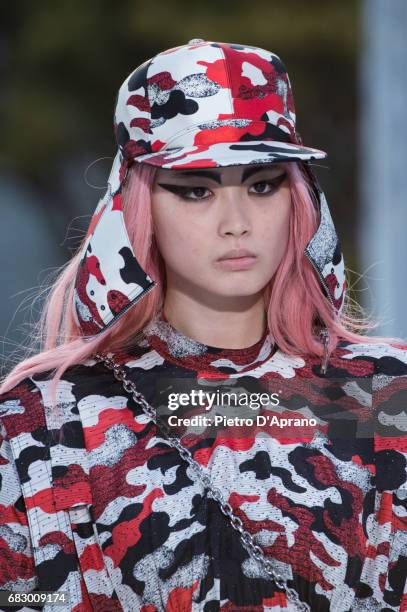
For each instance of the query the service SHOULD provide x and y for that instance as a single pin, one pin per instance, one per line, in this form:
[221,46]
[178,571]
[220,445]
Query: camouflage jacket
[95,502]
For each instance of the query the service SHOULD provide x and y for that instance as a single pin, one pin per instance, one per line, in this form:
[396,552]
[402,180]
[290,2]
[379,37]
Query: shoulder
[386,365]
[83,388]
[88,373]
[21,408]
[378,358]
[25,406]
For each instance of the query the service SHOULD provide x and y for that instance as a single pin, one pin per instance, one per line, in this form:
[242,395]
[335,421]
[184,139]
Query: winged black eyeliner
[173,188]
[177,189]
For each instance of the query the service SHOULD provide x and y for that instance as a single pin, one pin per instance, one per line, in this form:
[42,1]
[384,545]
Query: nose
[234,213]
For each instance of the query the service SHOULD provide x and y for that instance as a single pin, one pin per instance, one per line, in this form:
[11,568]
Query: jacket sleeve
[17,568]
[35,551]
[390,408]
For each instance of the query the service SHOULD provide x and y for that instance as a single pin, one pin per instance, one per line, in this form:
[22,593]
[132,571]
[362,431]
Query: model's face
[200,215]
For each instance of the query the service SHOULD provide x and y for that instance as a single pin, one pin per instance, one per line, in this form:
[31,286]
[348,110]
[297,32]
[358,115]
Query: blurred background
[61,66]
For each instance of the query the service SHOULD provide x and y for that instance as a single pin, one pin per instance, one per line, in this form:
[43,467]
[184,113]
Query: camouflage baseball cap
[209,104]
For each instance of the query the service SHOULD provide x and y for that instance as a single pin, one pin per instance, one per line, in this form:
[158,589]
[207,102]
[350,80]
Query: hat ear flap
[325,254]
[109,279]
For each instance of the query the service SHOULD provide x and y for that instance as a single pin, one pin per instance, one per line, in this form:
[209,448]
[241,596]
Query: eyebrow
[247,173]
[206,173]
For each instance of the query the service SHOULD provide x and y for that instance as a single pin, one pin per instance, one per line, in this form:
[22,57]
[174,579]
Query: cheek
[176,234]
[274,230]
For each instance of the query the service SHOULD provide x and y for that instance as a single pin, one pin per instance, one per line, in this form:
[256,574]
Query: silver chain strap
[255,551]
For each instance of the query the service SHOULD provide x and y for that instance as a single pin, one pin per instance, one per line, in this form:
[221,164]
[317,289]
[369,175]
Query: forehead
[222,175]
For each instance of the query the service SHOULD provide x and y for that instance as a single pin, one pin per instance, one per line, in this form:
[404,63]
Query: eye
[267,187]
[183,192]
[198,191]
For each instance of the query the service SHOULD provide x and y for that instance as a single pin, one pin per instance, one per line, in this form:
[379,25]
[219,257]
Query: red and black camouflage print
[94,501]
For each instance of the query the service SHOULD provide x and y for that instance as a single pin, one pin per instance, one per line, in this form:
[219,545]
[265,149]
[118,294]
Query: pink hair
[293,298]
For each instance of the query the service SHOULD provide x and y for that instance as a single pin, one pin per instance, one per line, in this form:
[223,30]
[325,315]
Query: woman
[212,259]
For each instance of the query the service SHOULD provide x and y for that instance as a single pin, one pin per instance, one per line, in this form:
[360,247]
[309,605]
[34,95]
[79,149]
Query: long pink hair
[293,298]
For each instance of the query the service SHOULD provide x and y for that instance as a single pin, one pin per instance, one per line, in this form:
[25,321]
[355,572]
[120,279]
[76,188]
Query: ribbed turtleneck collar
[177,348]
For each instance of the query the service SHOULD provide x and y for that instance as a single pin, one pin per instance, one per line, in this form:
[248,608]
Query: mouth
[237,263]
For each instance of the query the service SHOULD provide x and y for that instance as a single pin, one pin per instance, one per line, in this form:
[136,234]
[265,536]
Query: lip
[237,263]
[236,254]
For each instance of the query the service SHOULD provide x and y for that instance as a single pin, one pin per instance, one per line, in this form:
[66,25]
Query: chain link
[255,551]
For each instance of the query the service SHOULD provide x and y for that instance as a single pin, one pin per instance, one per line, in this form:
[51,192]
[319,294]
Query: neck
[233,328]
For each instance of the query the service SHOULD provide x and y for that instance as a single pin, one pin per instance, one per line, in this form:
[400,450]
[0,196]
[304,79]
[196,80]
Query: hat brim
[230,154]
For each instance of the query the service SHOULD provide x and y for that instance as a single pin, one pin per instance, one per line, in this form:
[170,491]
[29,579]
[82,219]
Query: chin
[243,282]
[239,289]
